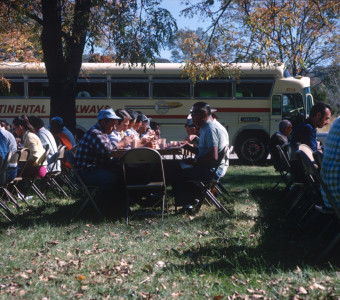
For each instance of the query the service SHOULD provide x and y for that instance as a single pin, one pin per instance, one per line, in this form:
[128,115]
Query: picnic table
[166,153]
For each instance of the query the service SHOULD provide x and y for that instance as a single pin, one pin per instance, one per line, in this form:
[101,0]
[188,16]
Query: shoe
[188,209]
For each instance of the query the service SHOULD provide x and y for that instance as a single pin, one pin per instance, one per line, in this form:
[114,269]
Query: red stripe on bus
[238,109]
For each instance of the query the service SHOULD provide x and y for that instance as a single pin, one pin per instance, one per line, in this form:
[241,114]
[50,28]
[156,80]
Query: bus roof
[246,69]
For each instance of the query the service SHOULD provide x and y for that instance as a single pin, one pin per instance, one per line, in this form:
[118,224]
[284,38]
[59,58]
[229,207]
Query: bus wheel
[252,148]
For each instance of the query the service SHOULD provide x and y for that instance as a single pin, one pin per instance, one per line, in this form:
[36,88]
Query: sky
[175,7]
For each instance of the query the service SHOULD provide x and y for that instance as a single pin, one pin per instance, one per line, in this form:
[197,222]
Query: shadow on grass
[280,247]
[58,214]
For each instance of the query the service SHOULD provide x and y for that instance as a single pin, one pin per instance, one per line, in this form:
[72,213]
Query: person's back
[47,139]
[225,143]
[330,169]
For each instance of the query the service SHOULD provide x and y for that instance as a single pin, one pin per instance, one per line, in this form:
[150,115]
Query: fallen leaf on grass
[218,297]
[21,293]
[176,294]
[80,277]
[166,234]
[302,291]
[317,286]
[160,264]
[24,275]
[56,242]
[297,270]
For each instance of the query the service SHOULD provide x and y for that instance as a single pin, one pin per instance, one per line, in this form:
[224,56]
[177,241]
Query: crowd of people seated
[30,132]
[306,133]
[114,130]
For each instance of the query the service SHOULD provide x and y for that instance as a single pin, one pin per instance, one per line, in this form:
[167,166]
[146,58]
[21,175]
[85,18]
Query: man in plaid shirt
[330,170]
[93,156]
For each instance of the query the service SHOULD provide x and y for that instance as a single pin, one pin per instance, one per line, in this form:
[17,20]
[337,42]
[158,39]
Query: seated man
[330,170]
[279,138]
[65,130]
[93,157]
[305,132]
[212,142]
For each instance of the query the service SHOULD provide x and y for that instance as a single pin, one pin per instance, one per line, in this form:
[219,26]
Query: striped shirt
[330,170]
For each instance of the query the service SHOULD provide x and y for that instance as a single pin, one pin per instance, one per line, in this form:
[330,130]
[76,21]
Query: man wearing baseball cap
[93,157]
[65,130]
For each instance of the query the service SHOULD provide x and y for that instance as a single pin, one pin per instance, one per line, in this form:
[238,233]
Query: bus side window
[253,88]
[95,87]
[220,89]
[38,89]
[171,89]
[132,88]
[16,88]
[276,105]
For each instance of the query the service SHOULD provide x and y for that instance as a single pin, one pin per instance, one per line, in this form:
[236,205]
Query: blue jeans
[177,177]
[107,180]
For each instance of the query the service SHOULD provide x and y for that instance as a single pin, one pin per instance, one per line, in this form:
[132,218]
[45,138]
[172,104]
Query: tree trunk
[63,56]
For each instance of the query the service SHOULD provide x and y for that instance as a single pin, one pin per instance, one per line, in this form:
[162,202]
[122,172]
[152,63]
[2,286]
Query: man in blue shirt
[65,130]
[305,133]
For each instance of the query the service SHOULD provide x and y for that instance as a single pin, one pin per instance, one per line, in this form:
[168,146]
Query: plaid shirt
[94,149]
[330,170]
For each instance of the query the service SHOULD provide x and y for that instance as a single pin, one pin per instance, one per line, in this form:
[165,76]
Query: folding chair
[65,175]
[143,171]
[318,157]
[3,172]
[50,178]
[334,220]
[282,165]
[20,157]
[3,205]
[90,190]
[298,188]
[307,150]
[207,187]
[32,180]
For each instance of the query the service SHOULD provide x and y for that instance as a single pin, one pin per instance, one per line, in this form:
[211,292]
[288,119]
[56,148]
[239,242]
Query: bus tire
[251,147]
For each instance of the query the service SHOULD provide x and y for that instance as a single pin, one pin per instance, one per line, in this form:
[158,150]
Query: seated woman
[23,128]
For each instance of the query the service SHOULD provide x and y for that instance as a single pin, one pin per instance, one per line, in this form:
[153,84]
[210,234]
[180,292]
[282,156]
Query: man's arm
[210,157]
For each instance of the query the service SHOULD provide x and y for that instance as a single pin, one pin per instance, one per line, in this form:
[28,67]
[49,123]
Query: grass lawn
[254,254]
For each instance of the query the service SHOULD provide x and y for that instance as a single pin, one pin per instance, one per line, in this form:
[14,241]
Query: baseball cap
[107,114]
[145,118]
[59,119]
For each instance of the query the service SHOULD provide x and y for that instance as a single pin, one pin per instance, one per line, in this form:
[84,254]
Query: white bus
[249,106]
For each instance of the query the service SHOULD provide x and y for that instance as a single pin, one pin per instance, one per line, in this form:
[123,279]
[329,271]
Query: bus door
[276,113]
[293,108]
